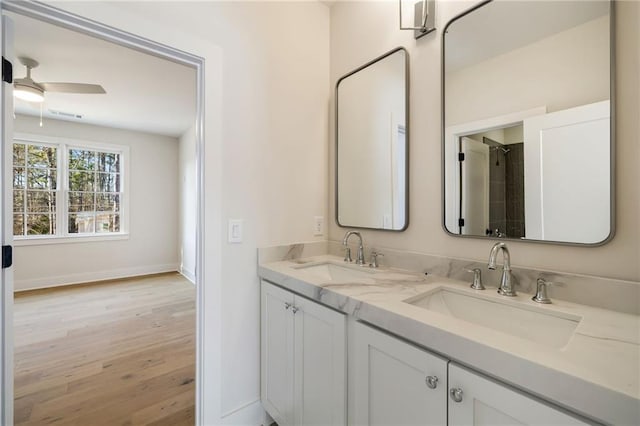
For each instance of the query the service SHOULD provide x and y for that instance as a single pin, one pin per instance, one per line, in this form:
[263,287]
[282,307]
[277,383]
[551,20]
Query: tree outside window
[94,192]
[87,200]
[35,170]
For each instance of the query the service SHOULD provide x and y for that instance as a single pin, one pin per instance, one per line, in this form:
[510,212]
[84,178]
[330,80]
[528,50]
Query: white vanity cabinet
[393,382]
[303,359]
[476,400]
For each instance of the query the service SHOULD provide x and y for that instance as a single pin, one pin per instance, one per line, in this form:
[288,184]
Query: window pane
[108,162]
[81,223]
[81,202]
[41,224]
[81,181]
[94,185]
[107,222]
[18,177]
[108,182]
[108,202]
[41,178]
[18,201]
[18,154]
[41,202]
[41,156]
[80,159]
[18,224]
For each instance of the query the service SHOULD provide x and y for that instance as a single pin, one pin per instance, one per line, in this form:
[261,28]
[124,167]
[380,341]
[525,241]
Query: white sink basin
[340,273]
[512,317]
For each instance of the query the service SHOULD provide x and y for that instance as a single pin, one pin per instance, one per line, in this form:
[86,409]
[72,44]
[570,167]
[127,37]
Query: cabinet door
[276,388]
[390,381]
[485,402]
[320,358]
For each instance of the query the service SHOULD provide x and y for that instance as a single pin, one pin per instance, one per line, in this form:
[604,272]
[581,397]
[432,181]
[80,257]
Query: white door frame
[451,184]
[6,231]
[53,15]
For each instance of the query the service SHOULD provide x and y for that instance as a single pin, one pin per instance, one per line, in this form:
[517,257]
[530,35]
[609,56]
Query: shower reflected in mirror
[492,182]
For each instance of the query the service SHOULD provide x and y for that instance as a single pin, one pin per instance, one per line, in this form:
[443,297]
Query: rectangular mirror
[372,144]
[527,146]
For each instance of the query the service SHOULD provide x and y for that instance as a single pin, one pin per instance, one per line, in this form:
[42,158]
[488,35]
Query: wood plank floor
[116,353]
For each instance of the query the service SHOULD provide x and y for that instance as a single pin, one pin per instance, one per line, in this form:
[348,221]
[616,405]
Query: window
[35,184]
[94,191]
[67,190]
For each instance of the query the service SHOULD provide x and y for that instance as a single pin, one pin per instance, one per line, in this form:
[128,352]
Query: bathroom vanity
[348,344]
[414,341]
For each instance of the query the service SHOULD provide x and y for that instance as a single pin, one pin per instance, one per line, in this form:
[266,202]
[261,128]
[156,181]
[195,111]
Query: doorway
[77,216]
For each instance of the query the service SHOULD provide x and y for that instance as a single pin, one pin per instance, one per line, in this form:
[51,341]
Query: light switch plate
[318,226]
[235,230]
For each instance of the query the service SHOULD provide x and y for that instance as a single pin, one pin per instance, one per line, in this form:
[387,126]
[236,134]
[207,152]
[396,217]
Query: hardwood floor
[115,353]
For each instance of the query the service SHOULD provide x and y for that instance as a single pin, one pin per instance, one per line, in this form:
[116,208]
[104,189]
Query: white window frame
[62,192]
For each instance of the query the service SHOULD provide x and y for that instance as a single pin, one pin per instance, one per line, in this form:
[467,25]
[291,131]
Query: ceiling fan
[31,91]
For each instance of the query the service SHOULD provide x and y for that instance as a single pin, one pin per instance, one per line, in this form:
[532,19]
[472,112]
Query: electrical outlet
[318,226]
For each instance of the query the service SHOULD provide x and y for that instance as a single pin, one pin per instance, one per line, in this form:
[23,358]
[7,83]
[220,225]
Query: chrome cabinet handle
[294,309]
[287,306]
[456,394]
[432,382]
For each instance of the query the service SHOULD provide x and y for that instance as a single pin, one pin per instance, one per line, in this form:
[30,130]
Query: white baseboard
[251,414]
[87,277]
[190,275]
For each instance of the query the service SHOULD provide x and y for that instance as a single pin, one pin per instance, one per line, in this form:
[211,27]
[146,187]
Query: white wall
[275,173]
[188,203]
[267,92]
[362,30]
[560,72]
[153,215]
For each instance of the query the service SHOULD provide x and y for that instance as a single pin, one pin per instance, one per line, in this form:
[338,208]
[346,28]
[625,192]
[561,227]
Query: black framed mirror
[372,144]
[527,113]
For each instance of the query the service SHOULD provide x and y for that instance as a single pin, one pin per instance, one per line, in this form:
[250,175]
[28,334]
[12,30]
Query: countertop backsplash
[617,295]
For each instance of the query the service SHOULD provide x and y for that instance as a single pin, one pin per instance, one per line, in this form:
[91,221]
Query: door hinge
[7,256]
[461,156]
[461,222]
[7,71]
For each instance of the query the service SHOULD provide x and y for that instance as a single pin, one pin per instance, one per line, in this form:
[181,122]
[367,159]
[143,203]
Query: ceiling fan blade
[73,88]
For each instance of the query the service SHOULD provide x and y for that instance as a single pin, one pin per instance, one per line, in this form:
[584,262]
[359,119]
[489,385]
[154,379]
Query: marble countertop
[596,374]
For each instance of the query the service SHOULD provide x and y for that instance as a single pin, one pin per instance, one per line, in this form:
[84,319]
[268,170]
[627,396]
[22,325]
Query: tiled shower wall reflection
[506,190]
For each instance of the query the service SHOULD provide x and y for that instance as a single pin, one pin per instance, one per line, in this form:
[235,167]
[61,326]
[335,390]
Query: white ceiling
[144,93]
[505,25]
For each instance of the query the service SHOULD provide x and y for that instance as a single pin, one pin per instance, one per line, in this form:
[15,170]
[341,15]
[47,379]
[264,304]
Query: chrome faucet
[541,291]
[506,283]
[360,254]
[374,259]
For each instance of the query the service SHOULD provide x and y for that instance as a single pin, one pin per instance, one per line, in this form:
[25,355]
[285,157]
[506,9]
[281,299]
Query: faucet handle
[477,279]
[347,255]
[374,259]
[541,291]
